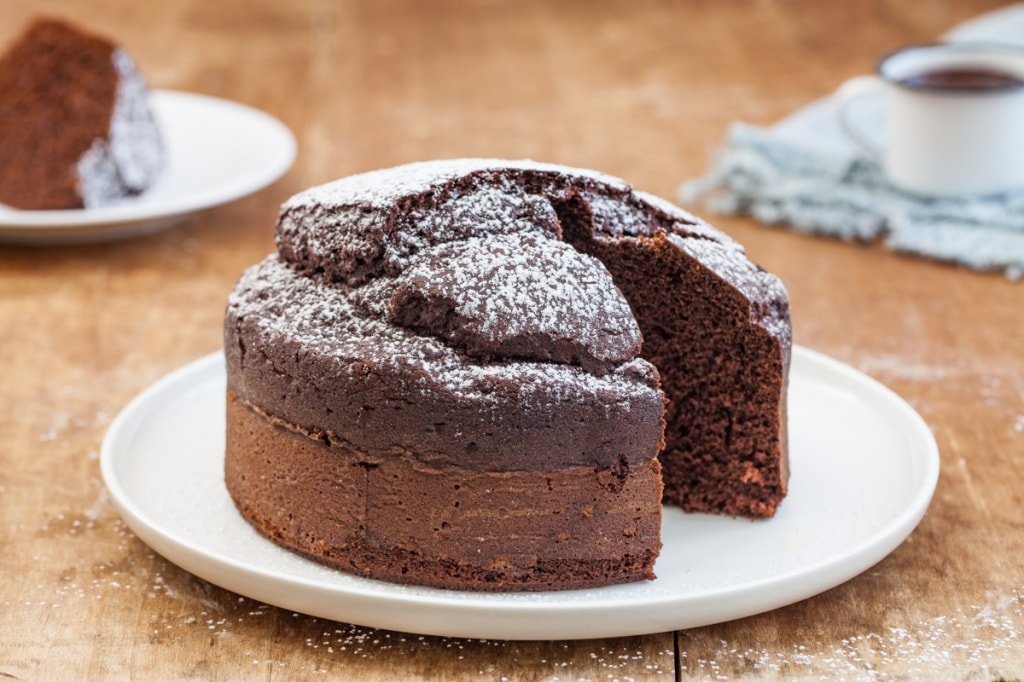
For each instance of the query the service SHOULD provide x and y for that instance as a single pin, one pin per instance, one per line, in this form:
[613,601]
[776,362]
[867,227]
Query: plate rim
[24,225]
[461,617]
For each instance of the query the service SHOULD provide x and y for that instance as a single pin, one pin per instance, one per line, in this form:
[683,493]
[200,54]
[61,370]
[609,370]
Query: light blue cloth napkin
[804,174]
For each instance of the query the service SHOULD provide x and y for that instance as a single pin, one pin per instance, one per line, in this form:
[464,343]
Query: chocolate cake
[76,129]
[439,378]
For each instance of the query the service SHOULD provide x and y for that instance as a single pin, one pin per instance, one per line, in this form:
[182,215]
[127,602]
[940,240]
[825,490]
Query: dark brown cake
[75,127]
[437,379]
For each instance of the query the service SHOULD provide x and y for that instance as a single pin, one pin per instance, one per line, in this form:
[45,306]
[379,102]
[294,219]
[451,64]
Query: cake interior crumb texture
[490,375]
[76,129]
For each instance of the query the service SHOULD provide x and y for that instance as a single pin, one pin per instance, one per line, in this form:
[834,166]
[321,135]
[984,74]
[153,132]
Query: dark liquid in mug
[955,78]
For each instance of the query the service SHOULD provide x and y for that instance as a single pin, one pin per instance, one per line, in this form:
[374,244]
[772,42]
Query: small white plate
[217,151]
[864,469]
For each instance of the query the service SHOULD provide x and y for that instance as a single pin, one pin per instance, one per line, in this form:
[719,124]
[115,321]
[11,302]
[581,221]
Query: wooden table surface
[643,90]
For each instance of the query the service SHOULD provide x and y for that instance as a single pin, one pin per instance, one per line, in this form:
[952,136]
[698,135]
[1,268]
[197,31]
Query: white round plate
[217,151]
[864,466]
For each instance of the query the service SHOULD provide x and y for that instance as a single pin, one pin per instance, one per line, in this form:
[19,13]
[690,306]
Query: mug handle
[854,89]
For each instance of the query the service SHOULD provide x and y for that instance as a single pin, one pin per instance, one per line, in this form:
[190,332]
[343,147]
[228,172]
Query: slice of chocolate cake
[76,129]
[439,378]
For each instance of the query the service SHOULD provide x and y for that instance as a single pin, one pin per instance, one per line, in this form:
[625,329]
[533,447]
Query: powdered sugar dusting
[365,226]
[135,141]
[132,156]
[97,176]
[768,296]
[324,321]
[525,296]
[974,642]
[381,189]
[502,207]
[357,227]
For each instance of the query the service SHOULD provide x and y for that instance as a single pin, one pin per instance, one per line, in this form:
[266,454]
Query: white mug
[954,118]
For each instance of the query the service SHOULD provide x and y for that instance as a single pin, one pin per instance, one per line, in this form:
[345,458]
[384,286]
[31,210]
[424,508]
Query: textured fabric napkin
[804,174]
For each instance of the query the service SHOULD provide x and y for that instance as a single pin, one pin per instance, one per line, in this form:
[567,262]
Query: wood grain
[644,90]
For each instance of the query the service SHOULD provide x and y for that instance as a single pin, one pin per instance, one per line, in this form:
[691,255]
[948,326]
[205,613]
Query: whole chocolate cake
[438,379]
[76,129]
